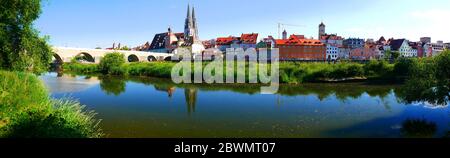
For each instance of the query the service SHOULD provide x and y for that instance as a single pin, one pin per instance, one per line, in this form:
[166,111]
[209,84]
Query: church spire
[194,24]
[190,27]
[188,22]
[188,11]
[194,20]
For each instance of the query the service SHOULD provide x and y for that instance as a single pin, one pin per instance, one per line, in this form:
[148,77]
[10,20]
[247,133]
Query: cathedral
[168,42]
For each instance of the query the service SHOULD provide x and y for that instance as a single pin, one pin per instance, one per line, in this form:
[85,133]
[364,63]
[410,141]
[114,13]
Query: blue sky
[92,23]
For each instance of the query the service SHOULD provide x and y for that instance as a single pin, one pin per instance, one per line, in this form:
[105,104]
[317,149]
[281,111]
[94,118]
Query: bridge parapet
[66,54]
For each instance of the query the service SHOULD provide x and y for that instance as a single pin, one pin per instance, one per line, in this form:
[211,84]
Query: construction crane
[281,27]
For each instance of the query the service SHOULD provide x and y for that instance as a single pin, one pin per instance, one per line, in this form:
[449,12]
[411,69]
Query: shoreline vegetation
[27,111]
[400,71]
[290,72]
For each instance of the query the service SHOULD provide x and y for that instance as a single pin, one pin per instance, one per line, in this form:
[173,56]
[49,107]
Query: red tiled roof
[281,41]
[298,36]
[224,40]
[330,37]
[296,41]
[249,38]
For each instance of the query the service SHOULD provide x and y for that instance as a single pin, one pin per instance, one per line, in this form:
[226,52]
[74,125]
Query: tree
[429,81]
[125,48]
[404,66]
[395,55]
[111,62]
[387,55]
[21,48]
[391,55]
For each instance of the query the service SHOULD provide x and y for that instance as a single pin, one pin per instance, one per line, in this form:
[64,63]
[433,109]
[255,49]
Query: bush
[26,111]
[378,69]
[111,62]
[314,72]
[290,72]
[404,66]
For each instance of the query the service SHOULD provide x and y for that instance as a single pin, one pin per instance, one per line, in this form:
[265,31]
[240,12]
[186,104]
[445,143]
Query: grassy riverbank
[290,72]
[26,111]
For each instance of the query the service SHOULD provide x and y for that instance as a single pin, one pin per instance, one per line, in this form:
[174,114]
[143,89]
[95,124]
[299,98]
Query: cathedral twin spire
[190,26]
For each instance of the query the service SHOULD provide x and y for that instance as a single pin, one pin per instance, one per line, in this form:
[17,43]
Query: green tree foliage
[395,55]
[21,48]
[429,81]
[125,48]
[404,66]
[443,67]
[111,62]
[377,68]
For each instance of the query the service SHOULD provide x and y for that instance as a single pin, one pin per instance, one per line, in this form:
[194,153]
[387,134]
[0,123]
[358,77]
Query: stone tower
[284,34]
[321,30]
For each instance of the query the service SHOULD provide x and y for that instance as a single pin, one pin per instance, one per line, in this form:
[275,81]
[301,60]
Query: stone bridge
[65,54]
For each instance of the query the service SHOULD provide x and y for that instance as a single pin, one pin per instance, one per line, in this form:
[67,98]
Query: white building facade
[402,46]
[332,52]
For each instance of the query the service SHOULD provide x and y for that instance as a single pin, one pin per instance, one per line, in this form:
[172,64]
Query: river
[157,108]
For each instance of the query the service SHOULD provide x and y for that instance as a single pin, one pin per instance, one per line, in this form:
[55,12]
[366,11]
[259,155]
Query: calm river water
[156,108]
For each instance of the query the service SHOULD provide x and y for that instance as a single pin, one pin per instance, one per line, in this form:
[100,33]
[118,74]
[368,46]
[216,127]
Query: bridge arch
[85,56]
[133,58]
[169,58]
[57,59]
[151,58]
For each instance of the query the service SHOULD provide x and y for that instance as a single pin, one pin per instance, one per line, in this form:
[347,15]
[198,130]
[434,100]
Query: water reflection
[170,91]
[429,84]
[166,88]
[419,93]
[59,83]
[343,93]
[151,107]
[112,85]
[191,99]
[418,128]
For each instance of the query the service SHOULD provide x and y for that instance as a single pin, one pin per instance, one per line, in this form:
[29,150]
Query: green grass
[81,68]
[161,69]
[316,72]
[26,111]
[290,72]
